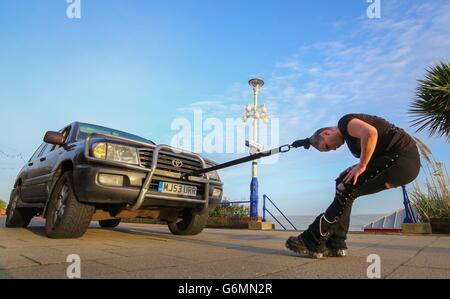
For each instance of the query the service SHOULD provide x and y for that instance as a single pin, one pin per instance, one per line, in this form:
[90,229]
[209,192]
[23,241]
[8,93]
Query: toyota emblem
[177,163]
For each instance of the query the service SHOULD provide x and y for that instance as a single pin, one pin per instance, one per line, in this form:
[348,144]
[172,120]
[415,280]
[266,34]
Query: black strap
[282,149]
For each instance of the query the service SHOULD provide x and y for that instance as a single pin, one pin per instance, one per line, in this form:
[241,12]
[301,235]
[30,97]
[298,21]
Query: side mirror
[54,138]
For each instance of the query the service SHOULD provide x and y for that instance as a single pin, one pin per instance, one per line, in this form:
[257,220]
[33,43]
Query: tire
[109,223]
[191,224]
[66,217]
[17,217]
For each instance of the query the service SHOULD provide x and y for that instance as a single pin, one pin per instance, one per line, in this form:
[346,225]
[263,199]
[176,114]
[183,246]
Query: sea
[301,222]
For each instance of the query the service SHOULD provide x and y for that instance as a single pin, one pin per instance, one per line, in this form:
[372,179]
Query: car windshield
[85,129]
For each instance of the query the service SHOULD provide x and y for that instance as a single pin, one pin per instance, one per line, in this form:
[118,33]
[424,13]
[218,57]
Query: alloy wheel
[61,202]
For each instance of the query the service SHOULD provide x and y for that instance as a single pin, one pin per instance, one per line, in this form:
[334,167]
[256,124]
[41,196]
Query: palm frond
[431,106]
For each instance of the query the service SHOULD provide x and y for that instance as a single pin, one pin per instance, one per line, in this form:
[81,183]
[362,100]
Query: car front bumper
[89,189]
[139,184]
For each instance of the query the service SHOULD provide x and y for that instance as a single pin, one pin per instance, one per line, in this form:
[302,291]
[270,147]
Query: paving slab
[89,269]
[431,257]
[147,262]
[151,251]
[409,272]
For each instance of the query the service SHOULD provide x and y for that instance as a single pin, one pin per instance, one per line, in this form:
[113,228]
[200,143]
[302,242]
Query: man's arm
[369,137]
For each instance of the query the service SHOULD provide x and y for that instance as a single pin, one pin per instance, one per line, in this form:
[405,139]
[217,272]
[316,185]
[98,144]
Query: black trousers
[330,228]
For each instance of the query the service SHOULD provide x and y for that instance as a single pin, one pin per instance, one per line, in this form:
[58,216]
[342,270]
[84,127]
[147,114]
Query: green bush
[432,201]
[233,210]
[2,205]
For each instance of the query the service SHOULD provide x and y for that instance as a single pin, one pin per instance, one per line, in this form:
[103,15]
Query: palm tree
[431,107]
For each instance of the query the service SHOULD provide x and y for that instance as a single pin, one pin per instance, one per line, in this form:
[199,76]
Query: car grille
[165,160]
[165,163]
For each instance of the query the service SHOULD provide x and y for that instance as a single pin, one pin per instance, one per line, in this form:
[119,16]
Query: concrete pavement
[151,251]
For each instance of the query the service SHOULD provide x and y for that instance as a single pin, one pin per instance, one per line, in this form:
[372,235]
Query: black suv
[87,173]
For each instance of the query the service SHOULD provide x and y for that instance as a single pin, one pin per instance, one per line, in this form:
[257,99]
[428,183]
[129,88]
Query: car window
[38,151]
[47,149]
[85,129]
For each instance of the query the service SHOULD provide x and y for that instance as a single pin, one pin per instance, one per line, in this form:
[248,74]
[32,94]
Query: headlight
[99,151]
[115,152]
[214,175]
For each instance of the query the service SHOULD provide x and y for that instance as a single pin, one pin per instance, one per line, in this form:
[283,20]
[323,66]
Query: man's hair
[316,139]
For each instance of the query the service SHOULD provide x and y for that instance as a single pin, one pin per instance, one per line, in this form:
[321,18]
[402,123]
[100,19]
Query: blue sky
[137,65]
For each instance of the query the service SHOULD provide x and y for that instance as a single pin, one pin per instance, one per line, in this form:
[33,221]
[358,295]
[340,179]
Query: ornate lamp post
[256,112]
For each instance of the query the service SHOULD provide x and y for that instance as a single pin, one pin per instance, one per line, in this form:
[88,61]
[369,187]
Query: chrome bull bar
[152,170]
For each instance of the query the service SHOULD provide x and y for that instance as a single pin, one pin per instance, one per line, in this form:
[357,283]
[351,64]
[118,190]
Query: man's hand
[301,143]
[354,173]
[345,172]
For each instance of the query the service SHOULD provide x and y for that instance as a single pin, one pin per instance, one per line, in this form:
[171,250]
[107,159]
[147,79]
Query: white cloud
[314,70]
[291,64]
[218,108]
[374,65]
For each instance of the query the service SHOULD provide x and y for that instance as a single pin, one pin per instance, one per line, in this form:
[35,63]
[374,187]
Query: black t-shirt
[391,139]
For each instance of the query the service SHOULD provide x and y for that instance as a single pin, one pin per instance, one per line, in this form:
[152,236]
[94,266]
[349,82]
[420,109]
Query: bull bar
[152,170]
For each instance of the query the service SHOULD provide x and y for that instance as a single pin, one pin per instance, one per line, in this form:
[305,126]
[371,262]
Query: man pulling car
[389,158]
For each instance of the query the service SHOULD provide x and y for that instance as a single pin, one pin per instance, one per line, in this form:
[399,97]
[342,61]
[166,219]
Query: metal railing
[265,198]
[409,214]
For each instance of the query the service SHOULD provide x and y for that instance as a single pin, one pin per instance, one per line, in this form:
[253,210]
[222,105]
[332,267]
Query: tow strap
[282,149]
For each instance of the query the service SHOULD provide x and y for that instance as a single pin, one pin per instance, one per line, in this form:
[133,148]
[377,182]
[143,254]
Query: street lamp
[256,112]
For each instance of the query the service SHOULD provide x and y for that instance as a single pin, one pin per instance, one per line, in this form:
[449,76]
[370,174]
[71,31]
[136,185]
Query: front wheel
[66,217]
[192,223]
[15,216]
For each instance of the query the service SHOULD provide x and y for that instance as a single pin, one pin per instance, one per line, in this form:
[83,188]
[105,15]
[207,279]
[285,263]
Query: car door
[47,161]
[26,175]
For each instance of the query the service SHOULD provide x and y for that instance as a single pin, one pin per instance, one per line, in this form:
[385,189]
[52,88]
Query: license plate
[174,188]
